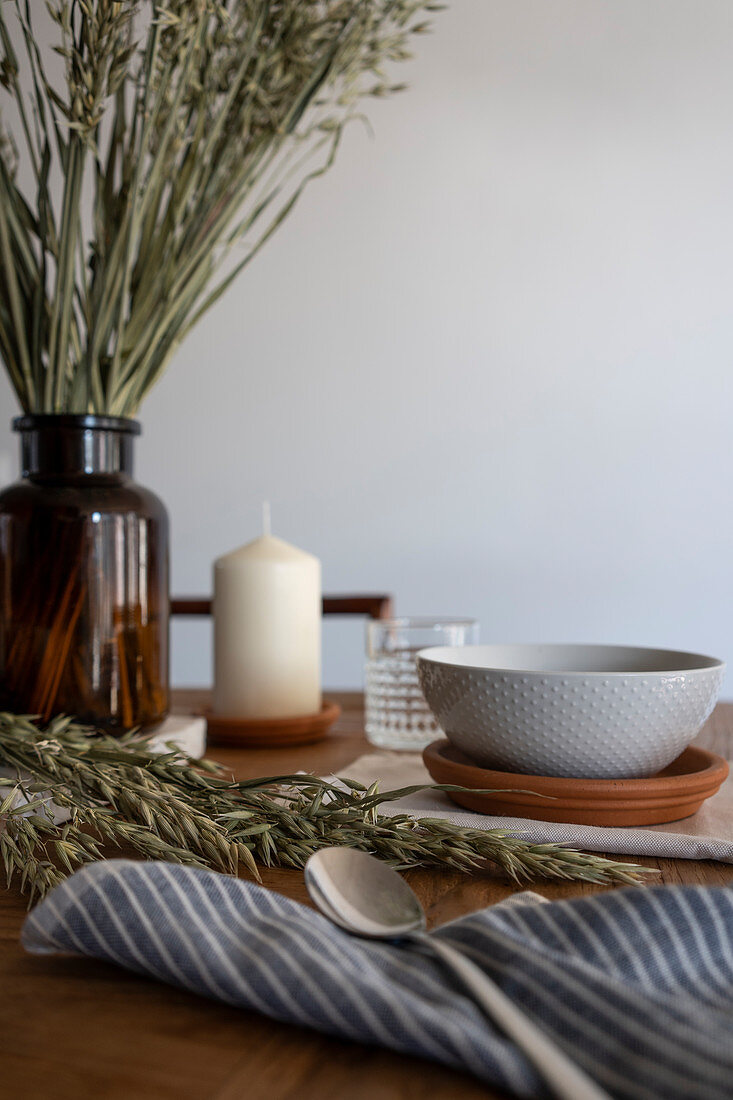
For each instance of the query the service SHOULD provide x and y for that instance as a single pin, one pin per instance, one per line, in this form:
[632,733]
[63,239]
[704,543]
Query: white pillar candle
[267,631]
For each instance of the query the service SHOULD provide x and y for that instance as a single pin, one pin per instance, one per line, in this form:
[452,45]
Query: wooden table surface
[75,1028]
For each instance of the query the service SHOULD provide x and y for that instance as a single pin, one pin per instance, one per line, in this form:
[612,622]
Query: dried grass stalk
[174,808]
[195,126]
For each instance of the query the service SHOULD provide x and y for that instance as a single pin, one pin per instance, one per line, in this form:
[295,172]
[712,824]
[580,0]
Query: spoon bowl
[362,895]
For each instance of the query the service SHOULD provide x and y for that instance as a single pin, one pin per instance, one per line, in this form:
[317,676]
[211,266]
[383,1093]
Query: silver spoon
[367,898]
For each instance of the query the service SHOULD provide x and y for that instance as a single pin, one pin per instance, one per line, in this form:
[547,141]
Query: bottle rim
[79,421]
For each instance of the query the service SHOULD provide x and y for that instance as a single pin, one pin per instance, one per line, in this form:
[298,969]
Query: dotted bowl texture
[601,712]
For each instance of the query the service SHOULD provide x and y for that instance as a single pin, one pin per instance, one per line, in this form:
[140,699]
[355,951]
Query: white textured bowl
[587,711]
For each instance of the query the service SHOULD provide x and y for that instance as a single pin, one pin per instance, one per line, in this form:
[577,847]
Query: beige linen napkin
[708,834]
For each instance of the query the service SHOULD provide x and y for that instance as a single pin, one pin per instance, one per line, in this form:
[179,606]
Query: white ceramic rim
[434,655]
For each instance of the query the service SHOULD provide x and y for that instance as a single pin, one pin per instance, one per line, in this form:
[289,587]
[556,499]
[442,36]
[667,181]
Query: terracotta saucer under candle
[301,729]
[678,791]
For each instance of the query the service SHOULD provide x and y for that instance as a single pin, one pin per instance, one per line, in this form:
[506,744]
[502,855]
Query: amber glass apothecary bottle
[83,578]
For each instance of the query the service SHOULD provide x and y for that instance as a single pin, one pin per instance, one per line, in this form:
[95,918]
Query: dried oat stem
[180,136]
[171,807]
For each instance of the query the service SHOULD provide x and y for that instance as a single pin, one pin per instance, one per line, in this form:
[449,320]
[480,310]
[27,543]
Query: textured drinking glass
[397,716]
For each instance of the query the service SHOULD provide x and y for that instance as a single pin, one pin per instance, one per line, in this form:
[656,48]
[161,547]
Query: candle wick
[266,524]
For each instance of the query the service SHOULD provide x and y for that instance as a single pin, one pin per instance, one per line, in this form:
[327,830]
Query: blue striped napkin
[635,984]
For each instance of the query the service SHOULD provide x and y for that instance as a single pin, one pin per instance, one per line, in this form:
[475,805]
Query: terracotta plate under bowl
[302,729]
[676,792]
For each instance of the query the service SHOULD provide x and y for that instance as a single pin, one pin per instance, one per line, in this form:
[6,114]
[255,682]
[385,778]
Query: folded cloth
[635,984]
[708,834]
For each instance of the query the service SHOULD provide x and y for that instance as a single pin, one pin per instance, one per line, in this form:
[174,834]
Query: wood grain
[73,1029]
[373,606]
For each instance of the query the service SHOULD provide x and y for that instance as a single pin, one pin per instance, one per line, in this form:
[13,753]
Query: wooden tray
[674,793]
[302,729]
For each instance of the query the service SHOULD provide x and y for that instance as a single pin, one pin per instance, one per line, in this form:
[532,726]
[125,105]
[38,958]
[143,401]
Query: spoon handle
[567,1080]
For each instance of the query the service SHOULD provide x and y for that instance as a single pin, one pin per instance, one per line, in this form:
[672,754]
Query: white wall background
[487,364]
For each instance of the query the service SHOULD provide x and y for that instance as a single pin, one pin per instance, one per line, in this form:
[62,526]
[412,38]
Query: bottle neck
[67,446]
